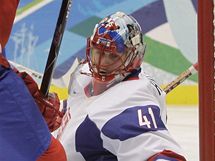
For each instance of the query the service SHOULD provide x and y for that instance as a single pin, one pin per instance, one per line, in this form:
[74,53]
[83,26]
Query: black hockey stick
[55,46]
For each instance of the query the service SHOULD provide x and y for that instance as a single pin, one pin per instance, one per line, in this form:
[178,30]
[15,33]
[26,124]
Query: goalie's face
[105,64]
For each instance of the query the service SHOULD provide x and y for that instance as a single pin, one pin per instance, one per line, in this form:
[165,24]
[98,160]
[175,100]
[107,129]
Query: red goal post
[206,79]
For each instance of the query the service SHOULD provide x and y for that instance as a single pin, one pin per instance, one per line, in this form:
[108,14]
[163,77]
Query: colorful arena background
[169,27]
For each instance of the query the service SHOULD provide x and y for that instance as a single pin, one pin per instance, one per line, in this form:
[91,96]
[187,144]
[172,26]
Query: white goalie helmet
[116,47]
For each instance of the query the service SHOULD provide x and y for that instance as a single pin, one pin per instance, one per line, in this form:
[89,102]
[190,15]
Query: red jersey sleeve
[7,15]
[55,152]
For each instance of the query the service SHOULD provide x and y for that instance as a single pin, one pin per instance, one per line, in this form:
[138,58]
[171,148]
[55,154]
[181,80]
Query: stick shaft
[183,76]
[55,46]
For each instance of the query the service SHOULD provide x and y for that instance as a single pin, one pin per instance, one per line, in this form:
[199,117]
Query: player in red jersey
[24,134]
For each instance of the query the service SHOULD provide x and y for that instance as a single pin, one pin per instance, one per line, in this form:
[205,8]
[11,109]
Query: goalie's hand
[49,107]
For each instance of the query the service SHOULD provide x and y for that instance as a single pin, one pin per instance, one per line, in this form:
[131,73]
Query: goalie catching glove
[49,106]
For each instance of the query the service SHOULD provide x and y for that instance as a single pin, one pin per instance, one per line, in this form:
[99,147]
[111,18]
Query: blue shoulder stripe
[133,122]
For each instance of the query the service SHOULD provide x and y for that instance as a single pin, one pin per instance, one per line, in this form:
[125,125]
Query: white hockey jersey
[127,122]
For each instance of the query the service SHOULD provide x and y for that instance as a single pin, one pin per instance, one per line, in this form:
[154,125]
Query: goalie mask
[115,48]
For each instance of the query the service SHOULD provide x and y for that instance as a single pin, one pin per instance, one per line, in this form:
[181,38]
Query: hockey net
[206,59]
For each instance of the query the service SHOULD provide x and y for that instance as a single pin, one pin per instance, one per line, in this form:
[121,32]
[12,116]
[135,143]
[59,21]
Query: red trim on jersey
[133,78]
[7,15]
[167,154]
